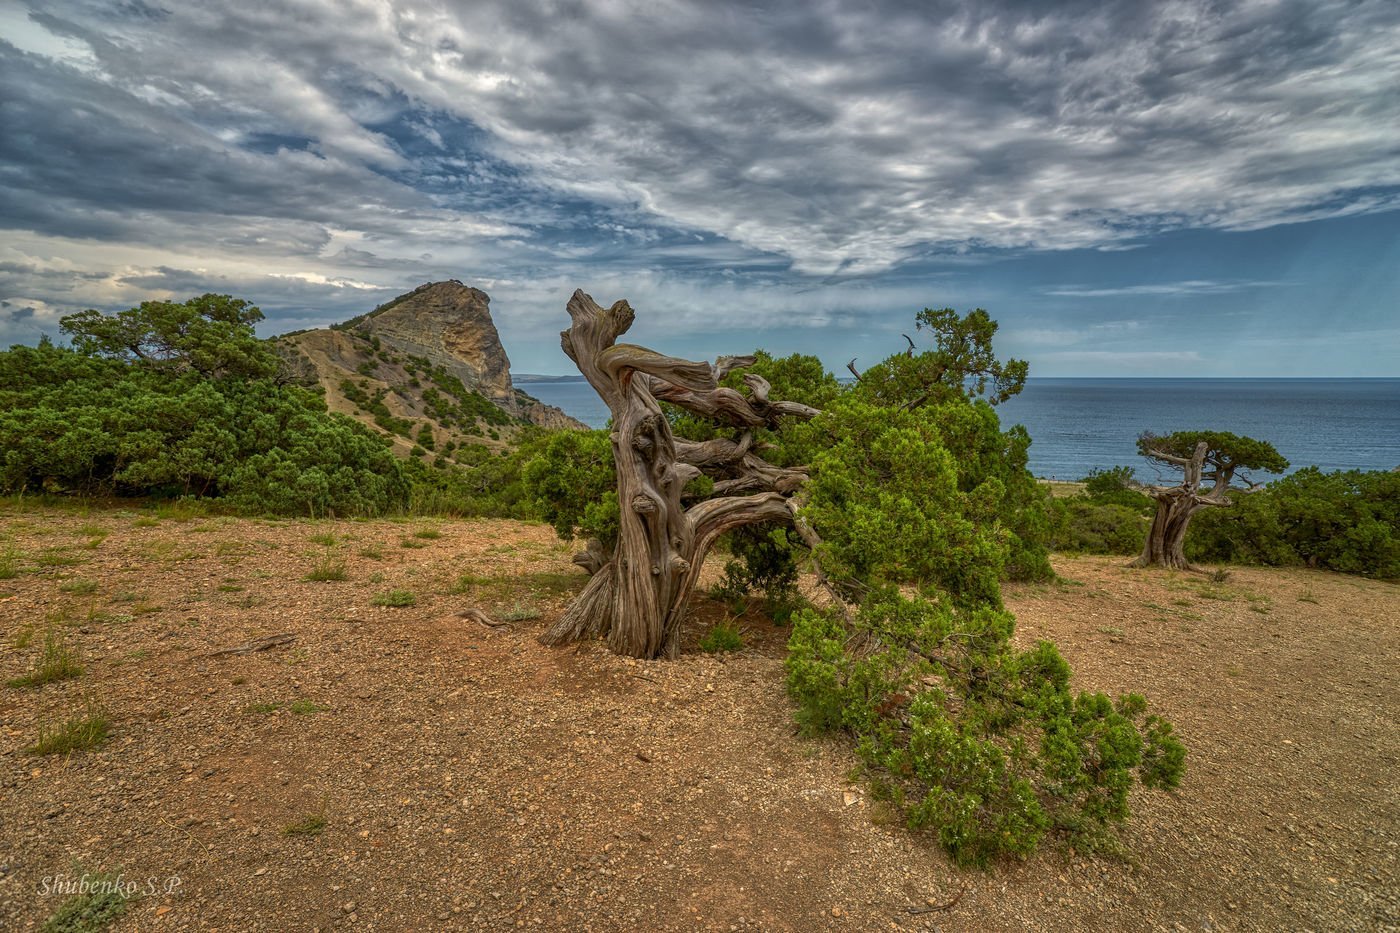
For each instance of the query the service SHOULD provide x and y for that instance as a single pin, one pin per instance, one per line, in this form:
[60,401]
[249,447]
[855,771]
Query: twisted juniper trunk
[655,544]
[638,597]
[1166,540]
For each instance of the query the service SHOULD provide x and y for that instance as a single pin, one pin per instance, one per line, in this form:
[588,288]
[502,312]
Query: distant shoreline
[540,379]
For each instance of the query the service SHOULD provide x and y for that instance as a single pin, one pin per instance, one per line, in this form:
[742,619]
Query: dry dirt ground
[474,779]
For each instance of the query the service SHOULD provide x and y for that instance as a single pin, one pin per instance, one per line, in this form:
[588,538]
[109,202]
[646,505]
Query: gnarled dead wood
[637,598]
[257,644]
[592,557]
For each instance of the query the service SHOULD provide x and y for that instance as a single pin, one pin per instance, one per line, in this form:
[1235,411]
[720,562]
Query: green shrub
[763,560]
[482,482]
[1347,521]
[169,400]
[1115,486]
[572,482]
[969,738]
[960,732]
[1081,525]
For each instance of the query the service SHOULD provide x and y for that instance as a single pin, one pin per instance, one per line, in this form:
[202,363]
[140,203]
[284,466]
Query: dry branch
[257,644]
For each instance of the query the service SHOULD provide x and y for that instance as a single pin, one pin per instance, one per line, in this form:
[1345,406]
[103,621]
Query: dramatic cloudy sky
[1136,187]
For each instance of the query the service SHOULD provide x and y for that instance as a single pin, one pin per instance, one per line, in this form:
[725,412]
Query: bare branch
[725,365]
[713,517]
[696,377]
[719,451]
[592,558]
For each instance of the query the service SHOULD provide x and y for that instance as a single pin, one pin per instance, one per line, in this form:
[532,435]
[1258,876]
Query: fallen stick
[481,618]
[934,908]
[257,644]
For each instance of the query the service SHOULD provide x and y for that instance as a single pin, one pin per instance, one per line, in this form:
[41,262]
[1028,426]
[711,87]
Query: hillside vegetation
[172,400]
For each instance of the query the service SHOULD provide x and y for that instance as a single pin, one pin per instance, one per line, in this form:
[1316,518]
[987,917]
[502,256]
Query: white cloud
[843,137]
[1184,289]
[714,160]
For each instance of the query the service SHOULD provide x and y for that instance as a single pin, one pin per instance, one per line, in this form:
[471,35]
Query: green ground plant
[104,902]
[328,570]
[396,599]
[9,563]
[57,661]
[722,638]
[79,732]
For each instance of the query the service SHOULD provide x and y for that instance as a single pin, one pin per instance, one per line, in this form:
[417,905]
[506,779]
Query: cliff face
[427,365]
[450,325]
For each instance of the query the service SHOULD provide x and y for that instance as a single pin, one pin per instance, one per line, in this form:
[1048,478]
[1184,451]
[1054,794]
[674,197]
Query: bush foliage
[974,740]
[1109,516]
[1347,521]
[969,737]
[176,400]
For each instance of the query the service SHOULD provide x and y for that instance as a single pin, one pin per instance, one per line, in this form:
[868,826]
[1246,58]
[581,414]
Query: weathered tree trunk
[638,598]
[1166,540]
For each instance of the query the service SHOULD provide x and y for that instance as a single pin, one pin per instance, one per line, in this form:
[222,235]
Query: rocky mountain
[426,368]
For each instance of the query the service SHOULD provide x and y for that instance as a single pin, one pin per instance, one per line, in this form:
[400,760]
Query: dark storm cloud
[341,148]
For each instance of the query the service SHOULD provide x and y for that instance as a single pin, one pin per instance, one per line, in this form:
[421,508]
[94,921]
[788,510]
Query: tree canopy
[1226,454]
[174,399]
[212,335]
[960,364]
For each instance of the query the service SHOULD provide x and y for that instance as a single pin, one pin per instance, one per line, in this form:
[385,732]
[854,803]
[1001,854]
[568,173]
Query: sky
[1130,188]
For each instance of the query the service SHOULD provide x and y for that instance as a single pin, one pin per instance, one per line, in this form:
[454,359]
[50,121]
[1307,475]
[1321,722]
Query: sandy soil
[470,778]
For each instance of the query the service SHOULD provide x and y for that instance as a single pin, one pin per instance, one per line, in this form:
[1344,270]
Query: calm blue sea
[1079,424]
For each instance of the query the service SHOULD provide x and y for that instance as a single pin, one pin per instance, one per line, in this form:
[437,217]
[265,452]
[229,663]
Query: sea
[1077,425]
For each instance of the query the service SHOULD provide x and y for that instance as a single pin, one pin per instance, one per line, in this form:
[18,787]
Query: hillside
[400,766]
[426,369]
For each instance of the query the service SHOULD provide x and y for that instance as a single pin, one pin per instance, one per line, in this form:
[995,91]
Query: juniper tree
[1215,458]
[908,502]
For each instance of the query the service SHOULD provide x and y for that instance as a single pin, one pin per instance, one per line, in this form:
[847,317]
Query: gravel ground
[471,778]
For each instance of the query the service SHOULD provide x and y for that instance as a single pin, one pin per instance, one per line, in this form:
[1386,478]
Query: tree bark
[1166,539]
[637,599]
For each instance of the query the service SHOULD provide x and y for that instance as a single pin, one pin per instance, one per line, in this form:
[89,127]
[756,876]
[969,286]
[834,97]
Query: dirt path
[470,778]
